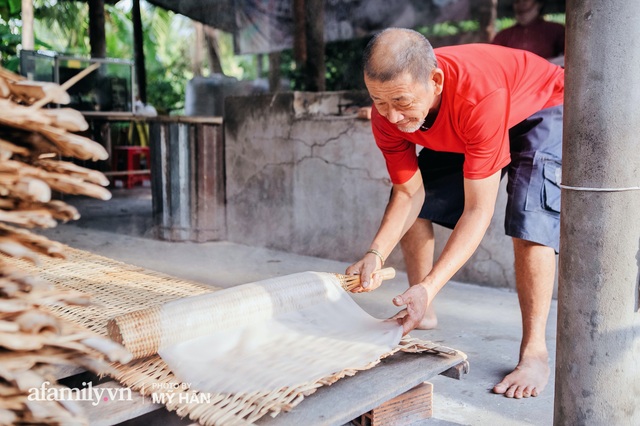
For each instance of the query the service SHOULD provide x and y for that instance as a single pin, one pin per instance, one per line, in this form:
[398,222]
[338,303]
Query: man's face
[403,101]
[524,6]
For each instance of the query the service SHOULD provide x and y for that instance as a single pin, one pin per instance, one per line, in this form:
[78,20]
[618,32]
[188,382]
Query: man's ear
[437,76]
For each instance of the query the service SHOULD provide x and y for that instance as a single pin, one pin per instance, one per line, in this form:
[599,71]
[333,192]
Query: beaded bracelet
[377,253]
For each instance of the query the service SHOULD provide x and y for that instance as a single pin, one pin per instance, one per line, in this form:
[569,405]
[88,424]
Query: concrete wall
[304,175]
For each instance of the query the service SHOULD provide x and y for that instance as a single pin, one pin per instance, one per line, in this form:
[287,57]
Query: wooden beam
[198,48]
[213,49]
[487,13]
[408,408]
[299,35]
[274,72]
[138,51]
[97,37]
[349,398]
[315,69]
[27,25]
[457,371]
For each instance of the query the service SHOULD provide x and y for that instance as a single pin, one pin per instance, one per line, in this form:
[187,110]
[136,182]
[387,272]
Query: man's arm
[402,210]
[479,203]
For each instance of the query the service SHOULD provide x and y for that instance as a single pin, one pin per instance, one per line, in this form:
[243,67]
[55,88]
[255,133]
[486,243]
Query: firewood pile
[33,140]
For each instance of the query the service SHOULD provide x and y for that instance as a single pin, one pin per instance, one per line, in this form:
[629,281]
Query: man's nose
[394,115]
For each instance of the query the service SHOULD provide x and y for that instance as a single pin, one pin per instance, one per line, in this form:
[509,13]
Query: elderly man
[478,111]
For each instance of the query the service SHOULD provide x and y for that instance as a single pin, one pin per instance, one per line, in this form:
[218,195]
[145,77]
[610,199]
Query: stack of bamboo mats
[32,339]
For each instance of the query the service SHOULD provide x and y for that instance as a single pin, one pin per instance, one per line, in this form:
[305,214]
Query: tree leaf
[10,9]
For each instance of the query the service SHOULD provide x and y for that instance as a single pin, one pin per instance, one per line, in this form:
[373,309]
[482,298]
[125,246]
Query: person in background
[533,33]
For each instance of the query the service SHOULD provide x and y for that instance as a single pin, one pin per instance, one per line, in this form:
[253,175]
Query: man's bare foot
[429,321]
[528,379]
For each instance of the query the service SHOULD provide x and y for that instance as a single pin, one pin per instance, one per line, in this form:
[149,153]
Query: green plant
[9,42]
[9,34]
[9,9]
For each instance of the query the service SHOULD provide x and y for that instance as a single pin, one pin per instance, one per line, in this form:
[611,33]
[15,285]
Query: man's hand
[365,268]
[416,298]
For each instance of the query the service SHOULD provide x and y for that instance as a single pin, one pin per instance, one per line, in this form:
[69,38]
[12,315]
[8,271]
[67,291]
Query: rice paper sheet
[281,332]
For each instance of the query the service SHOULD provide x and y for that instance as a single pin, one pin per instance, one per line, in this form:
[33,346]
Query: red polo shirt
[487,90]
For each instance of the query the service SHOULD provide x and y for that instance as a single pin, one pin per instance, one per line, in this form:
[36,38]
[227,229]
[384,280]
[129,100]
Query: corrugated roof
[221,13]
[215,13]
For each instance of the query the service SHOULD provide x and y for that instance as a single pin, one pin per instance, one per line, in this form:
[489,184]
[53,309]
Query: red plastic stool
[128,159]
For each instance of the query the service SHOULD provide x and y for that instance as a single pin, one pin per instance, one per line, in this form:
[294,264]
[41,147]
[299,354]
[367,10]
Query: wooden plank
[346,400]
[62,371]
[124,406]
[116,116]
[128,172]
[457,371]
[349,398]
[408,408]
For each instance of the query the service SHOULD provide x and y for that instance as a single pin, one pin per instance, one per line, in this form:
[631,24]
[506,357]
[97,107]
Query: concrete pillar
[598,342]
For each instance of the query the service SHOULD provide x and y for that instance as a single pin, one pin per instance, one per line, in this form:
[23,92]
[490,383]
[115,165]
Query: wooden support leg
[405,409]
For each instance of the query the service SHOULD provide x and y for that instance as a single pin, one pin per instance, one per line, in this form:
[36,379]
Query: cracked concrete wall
[304,175]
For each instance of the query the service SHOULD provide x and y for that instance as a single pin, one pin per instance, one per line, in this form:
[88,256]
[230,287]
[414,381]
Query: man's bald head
[397,50]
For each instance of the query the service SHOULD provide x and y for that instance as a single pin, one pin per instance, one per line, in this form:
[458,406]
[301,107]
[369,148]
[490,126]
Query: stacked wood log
[32,341]
[33,142]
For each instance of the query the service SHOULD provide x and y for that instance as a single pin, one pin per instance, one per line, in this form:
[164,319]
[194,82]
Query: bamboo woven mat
[118,288]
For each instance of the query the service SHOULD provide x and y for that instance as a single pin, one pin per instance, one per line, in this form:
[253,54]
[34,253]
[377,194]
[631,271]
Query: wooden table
[347,399]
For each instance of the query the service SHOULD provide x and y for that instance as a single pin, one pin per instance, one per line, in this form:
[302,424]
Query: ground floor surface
[482,322]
